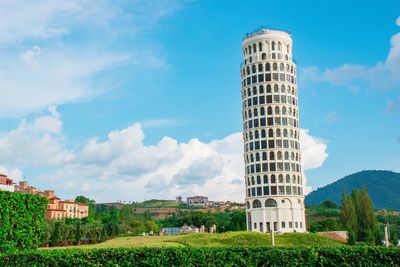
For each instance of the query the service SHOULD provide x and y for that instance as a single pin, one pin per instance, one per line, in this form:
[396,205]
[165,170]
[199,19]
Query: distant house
[171,231]
[58,209]
[197,201]
[6,184]
[185,229]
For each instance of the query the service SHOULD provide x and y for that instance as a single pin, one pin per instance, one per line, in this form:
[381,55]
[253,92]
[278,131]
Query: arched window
[250,49]
[278,132]
[263,56]
[280,178]
[265,179]
[292,156]
[248,70]
[263,133]
[256,204]
[270,133]
[260,46]
[273,45]
[286,57]
[267,67]
[274,66]
[256,134]
[298,179]
[294,179]
[264,155]
[269,110]
[254,48]
[248,92]
[282,89]
[262,111]
[287,158]
[251,158]
[250,113]
[271,203]
[279,155]
[251,135]
[284,132]
[253,69]
[282,67]
[273,179]
[258,179]
[277,110]
[283,110]
[276,88]
[252,180]
[261,89]
[248,181]
[271,156]
[260,67]
[268,88]
[257,156]
[255,112]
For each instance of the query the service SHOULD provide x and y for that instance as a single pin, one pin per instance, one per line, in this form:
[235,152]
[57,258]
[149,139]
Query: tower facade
[273,173]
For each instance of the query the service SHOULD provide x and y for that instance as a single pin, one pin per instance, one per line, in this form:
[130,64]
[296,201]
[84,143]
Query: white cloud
[383,75]
[50,55]
[313,149]
[39,143]
[122,167]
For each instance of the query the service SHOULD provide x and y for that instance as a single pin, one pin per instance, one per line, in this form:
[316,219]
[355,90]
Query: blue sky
[163,78]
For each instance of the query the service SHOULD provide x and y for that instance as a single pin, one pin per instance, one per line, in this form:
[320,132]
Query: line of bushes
[225,256]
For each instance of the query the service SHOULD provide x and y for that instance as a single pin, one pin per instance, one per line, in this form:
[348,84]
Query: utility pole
[273,237]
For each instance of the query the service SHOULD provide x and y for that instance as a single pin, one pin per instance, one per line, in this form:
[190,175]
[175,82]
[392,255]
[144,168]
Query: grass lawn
[215,240]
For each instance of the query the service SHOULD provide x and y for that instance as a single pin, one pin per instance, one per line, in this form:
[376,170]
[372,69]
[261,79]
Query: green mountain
[383,188]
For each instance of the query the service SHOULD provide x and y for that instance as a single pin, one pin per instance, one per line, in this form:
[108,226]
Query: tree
[368,224]
[78,233]
[56,235]
[329,204]
[358,217]
[348,217]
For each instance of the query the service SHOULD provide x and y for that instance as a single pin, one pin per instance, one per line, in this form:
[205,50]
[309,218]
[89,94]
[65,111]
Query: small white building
[197,201]
[6,184]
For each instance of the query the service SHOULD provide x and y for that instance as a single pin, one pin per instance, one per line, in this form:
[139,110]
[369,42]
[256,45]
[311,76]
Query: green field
[216,240]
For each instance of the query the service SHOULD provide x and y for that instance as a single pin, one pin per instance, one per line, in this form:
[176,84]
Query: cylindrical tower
[273,173]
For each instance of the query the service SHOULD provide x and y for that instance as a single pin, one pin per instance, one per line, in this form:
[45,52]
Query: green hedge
[228,256]
[22,221]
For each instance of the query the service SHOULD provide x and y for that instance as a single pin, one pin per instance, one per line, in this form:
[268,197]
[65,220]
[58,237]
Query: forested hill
[383,187]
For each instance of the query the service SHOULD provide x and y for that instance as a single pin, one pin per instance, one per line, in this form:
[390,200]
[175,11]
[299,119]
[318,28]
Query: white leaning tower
[273,173]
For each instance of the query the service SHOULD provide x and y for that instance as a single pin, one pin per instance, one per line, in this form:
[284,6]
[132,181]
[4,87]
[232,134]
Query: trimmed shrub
[222,256]
[22,221]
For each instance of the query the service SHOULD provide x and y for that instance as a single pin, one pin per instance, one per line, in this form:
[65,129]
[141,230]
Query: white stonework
[4,187]
[273,173]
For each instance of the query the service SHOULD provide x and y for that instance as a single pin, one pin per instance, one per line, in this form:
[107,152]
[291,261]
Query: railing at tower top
[264,29]
[293,59]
